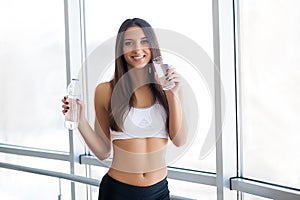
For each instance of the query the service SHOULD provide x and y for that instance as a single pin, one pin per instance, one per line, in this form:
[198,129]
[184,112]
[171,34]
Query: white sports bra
[143,123]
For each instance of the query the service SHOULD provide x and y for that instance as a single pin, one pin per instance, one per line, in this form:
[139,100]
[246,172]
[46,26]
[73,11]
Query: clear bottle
[161,70]
[74,93]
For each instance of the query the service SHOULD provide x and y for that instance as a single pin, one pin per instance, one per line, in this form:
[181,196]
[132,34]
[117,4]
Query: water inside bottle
[161,71]
[72,116]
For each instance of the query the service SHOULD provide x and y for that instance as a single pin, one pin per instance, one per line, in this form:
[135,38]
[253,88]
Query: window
[33,75]
[195,25]
[269,91]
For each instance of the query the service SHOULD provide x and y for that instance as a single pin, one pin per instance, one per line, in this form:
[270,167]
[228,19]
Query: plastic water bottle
[74,93]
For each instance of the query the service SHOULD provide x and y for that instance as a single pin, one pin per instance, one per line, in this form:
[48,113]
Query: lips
[138,58]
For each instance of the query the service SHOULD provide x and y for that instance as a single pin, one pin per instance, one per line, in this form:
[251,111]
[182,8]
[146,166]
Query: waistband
[154,189]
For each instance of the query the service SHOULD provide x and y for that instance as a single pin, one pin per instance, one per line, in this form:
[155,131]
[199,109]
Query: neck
[139,78]
[143,96]
[143,90]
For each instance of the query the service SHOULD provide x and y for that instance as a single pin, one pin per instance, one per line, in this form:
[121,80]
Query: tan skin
[137,54]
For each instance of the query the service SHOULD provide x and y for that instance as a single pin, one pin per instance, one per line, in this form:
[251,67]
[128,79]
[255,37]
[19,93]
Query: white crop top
[143,123]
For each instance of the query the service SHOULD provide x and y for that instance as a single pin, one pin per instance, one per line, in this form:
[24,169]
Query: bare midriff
[139,161]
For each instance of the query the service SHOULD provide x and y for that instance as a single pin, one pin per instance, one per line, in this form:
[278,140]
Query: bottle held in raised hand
[161,70]
[74,93]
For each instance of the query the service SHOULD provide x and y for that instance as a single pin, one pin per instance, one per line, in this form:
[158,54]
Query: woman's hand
[66,107]
[82,110]
[173,76]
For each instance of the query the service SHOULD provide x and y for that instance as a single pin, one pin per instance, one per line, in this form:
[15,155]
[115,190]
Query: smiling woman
[135,117]
[190,20]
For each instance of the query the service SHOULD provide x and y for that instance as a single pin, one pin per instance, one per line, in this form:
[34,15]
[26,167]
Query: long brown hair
[124,89]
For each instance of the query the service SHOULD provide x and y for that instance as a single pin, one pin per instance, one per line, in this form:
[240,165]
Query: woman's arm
[177,123]
[98,140]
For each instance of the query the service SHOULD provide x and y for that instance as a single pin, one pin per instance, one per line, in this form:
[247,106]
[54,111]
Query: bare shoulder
[104,87]
[103,95]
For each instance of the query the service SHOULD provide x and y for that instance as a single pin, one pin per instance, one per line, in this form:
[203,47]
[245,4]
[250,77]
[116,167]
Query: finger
[79,102]
[171,69]
[171,76]
[65,110]
[64,100]
[171,72]
[65,107]
[176,80]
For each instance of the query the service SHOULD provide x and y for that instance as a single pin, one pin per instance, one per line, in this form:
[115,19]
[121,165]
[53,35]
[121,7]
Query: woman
[135,117]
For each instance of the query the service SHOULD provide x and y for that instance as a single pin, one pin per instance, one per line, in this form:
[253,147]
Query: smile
[138,58]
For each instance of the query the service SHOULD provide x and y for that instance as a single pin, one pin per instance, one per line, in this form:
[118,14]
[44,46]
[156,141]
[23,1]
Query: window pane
[32,74]
[253,197]
[270,90]
[20,185]
[40,163]
[192,190]
[34,186]
[193,20]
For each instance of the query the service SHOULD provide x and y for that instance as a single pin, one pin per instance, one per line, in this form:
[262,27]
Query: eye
[144,42]
[128,43]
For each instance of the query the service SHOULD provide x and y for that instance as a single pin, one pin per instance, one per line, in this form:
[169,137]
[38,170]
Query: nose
[138,47]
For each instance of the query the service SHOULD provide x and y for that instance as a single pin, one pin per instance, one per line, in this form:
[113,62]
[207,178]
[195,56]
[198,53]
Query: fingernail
[67,107]
[67,103]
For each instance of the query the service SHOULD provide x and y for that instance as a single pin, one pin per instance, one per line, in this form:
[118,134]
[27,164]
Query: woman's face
[136,48]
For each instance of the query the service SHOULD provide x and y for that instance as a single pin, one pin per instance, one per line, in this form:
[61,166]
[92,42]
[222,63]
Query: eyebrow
[132,39]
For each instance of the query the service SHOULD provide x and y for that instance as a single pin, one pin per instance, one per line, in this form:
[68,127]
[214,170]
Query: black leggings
[111,189]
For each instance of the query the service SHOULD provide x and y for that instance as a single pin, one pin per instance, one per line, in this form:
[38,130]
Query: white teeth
[138,57]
